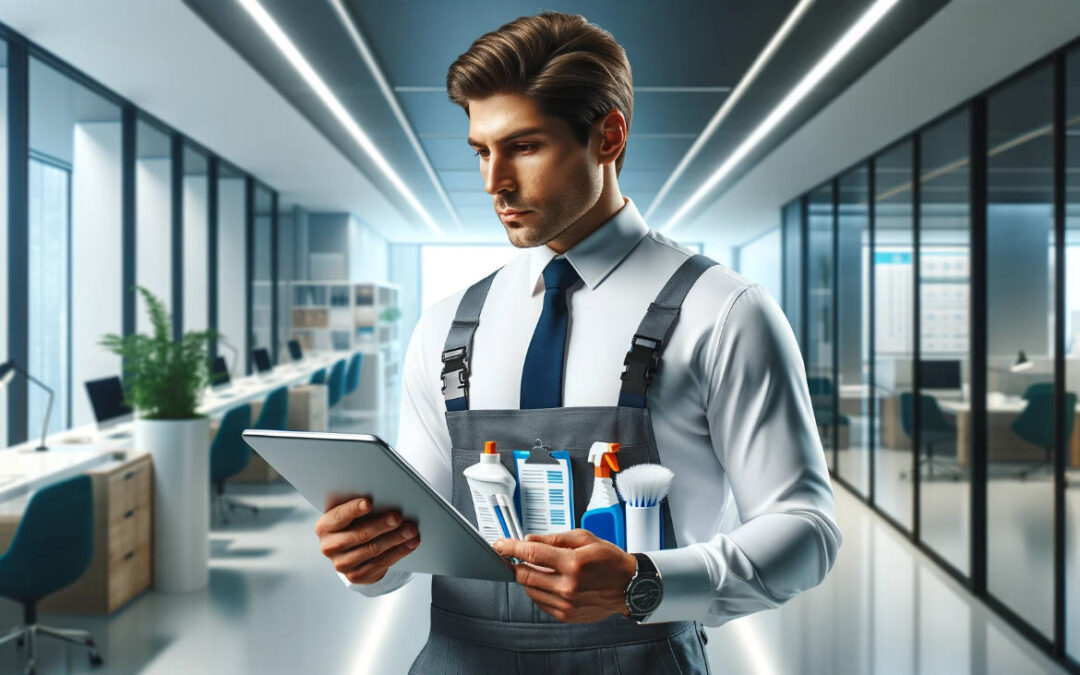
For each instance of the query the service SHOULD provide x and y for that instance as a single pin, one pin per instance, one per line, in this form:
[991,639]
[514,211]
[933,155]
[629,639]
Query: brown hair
[569,67]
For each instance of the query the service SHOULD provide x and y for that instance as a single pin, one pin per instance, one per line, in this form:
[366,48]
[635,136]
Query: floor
[274,606]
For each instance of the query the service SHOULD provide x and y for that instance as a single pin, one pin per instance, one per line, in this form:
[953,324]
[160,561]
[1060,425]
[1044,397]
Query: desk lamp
[1022,363]
[7,372]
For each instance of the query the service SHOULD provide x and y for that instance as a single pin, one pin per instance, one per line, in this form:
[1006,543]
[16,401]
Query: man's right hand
[362,543]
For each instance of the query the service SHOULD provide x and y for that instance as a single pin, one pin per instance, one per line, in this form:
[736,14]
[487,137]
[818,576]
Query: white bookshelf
[346,316]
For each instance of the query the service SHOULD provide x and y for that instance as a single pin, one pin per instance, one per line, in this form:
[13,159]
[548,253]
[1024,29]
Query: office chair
[52,548]
[352,375]
[936,429]
[1038,388]
[275,411]
[318,377]
[1035,424]
[229,454]
[336,382]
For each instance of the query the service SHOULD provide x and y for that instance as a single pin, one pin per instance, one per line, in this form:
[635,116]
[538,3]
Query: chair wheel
[95,660]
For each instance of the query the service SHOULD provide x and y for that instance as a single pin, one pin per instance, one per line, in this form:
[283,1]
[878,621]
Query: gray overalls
[494,627]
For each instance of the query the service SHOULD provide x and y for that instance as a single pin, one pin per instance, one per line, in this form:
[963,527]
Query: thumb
[570,539]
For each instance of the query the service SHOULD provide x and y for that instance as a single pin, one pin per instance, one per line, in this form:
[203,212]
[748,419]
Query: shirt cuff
[688,588]
[391,581]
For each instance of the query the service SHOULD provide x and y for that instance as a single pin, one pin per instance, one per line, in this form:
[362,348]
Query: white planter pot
[181,452]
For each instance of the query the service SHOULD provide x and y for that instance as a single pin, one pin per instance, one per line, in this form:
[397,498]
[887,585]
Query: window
[821,322]
[153,218]
[232,268]
[196,247]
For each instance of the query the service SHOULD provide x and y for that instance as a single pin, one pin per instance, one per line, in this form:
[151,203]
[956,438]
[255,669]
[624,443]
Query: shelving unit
[344,316]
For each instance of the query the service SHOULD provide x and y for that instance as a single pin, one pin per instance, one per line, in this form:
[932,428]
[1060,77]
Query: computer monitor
[107,400]
[262,360]
[295,353]
[942,374]
[219,372]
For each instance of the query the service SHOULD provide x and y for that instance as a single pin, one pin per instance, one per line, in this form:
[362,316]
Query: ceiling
[686,57]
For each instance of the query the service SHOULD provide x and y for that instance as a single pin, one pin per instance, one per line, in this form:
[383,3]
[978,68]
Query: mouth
[511,215]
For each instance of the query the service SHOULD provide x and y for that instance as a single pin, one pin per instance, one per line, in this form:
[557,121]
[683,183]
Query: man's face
[542,180]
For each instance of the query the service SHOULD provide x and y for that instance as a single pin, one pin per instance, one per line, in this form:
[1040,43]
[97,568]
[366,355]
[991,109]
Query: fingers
[372,549]
[549,601]
[531,577]
[375,569]
[362,533]
[534,552]
[337,499]
[569,539]
[339,517]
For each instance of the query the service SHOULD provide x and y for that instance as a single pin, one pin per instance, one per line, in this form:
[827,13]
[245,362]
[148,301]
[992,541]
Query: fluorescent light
[744,83]
[391,100]
[823,67]
[289,50]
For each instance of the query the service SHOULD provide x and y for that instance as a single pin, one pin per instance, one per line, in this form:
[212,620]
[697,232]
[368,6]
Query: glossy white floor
[274,606]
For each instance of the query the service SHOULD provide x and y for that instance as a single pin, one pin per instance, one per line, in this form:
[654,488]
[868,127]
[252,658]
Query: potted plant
[163,381]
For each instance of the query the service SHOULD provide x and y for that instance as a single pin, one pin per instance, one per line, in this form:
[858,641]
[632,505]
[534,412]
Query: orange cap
[489,447]
[608,463]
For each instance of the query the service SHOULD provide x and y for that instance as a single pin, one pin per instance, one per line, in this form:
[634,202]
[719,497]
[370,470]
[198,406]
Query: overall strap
[655,330]
[456,351]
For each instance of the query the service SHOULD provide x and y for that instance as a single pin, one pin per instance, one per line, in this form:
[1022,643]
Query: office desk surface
[23,469]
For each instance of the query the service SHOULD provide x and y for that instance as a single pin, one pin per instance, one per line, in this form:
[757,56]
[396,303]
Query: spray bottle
[488,478]
[604,514]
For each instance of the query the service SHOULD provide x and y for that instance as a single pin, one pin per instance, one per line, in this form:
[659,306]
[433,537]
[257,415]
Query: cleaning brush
[642,487]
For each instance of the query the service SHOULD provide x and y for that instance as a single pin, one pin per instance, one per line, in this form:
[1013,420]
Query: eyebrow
[512,136]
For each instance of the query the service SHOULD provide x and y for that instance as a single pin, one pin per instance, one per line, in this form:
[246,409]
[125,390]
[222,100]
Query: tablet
[320,464]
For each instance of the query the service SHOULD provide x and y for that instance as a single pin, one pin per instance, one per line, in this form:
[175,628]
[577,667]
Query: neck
[610,202]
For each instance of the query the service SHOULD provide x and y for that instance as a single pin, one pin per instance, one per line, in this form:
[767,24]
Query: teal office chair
[936,429]
[318,377]
[336,383]
[352,375]
[821,399]
[229,454]
[275,411]
[1039,388]
[1035,424]
[52,548]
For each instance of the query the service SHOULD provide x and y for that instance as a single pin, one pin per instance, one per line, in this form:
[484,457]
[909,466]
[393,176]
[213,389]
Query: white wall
[369,253]
[96,264]
[153,237]
[405,273]
[759,261]
[232,269]
[195,254]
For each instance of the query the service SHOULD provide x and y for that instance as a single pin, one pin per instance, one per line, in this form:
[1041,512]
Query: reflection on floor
[274,606]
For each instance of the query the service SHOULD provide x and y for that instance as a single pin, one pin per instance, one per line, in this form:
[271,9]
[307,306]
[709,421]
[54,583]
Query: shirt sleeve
[763,432]
[423,440]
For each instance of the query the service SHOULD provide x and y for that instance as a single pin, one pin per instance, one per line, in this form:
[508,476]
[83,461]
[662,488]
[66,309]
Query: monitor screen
[107,398]
[939,374]
[219,372]
[262,360]
[294,350]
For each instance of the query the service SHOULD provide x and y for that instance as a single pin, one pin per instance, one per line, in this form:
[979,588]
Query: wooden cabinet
[122,565]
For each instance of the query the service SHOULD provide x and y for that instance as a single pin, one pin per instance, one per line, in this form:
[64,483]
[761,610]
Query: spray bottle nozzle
[603,457]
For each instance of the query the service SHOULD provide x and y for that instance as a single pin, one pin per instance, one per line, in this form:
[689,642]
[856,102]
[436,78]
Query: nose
[499,176]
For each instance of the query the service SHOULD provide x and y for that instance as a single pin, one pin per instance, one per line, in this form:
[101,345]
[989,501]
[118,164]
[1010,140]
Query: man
[713,388]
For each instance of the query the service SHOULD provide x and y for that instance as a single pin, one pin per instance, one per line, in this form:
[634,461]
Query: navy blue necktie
[542,377]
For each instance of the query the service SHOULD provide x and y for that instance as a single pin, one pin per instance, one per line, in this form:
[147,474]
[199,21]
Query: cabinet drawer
[129,576]
[129,488]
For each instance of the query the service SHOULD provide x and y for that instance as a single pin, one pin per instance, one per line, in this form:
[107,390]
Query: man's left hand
[588,575]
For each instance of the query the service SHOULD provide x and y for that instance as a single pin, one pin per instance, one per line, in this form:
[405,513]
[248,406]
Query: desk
[1002,443]
[71,452]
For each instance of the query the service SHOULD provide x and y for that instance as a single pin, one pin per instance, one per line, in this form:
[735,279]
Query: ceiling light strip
[388,93]
[747,79]
[306,71]
[836,53]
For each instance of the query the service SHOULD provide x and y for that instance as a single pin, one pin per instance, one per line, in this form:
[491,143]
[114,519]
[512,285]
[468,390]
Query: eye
[526,147]
[481,153]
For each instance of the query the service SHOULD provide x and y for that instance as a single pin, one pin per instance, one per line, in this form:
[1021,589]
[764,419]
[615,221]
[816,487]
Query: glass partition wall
[947,399]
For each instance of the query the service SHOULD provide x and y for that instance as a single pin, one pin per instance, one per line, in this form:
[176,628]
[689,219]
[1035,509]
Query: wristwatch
[645,590]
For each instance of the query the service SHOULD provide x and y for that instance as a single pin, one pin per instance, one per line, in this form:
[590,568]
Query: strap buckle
[455,373]
[641,362]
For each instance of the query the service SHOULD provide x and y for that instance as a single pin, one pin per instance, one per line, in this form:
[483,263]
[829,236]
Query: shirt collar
[597,255]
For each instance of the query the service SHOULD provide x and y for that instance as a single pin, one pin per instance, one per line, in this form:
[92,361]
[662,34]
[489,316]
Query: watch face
[645,596]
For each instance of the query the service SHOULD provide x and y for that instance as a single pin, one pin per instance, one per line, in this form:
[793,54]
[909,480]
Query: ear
[611,131]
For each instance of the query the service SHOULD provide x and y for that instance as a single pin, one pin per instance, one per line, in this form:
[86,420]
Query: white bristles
[644,485]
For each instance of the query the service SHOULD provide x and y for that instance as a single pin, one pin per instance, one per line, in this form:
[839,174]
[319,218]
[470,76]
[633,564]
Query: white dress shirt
[751,501]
